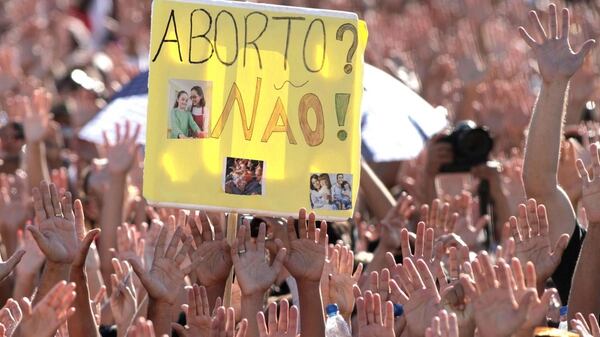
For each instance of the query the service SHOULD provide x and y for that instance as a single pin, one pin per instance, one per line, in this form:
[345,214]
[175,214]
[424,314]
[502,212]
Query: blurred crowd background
[62,60]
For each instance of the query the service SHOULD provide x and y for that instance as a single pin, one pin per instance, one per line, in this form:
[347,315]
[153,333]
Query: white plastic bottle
[564,321]
[335,326]
[553,314]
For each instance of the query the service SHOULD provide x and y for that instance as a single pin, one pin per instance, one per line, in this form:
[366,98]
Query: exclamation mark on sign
[341,109]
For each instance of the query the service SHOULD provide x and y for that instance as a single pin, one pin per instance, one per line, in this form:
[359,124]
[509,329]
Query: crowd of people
[425,254]
[244,176]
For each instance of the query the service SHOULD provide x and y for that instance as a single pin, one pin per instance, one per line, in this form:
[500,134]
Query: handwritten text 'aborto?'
[205,37]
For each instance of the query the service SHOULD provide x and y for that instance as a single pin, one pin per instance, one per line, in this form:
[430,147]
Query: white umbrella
[396,121]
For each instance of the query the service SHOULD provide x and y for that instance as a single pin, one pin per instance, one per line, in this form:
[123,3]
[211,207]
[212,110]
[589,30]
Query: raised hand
[212,251]
[253,271]
[506,251]
[454,265]
[97,304]
[166,273]
[284,326]
[7,267]
[129,246]
[36,119]
[49,314]
[388,290]
[150,237]
[10,316]
[142,328]
[580,325]
[306,256]
[60,178]
[522,283]
[379,283]
[197,313]
[60,224]
[123,300]
[455,302]
[532,240]
[396,219]
[367,233]
[438,217]
[422,299]
[444,324]
[591,185]
[338,280]
[371,322]
[468,230]
[122,154]
[497,312]
[15,208]
[424,248]
[556,59]
[79,262]
[223,325]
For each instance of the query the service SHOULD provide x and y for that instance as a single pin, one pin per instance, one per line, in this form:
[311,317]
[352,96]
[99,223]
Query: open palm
[538,251]
[556,59]
[37,117]
[591,185]
[337,280]
[305,260]
[371,321]
[532,239]
[420,309]
[253,271]
[197,313]
[59,230]
[166,273]
[62,244]
[283,326]
[497,312]
[122,154]
[52,311]
[306,256]
[212,253]
[216,262]
[423,301]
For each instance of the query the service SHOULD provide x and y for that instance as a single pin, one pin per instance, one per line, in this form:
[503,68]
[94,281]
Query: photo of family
[189,109]
[243,176]
[327,195]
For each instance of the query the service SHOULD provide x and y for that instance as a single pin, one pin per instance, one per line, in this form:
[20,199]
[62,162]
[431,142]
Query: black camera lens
[475,143]
[471,146]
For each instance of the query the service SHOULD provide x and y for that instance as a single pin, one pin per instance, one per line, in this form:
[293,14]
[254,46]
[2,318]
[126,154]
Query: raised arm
[585,294]
[213,256]
[82,323]
[557,63]
[121,156]
[254,272]
[55,234]
[35,124]
[166,276]
[305,262]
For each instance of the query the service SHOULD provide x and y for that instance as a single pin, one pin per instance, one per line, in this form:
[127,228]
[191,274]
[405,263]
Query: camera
[471,146]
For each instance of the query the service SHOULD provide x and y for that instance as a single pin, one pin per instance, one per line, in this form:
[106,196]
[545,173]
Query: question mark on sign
[340,37]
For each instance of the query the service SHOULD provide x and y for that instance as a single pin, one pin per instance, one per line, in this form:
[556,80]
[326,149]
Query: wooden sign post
[232,220]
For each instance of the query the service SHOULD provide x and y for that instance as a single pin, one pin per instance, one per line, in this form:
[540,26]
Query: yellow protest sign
[254,108]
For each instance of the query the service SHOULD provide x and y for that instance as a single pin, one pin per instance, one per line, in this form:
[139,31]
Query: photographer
[466,150]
